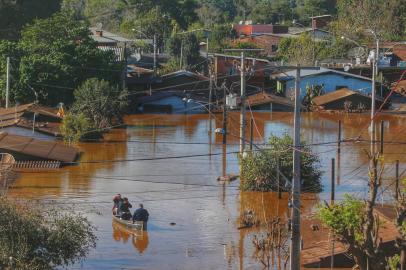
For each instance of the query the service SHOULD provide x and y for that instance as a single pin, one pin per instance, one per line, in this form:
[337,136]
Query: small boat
[136,225]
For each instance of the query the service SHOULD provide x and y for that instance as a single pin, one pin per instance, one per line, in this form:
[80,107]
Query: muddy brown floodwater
[185,190]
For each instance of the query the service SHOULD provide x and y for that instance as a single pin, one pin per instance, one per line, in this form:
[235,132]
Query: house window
[274,48]
[341,86]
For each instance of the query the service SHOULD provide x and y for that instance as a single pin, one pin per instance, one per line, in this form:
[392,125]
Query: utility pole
[332,198]
[210,97]
[382,135]
[155,56]
[8,82]
[296,185]
[181,54]
[397,180]
[242,97]
[242,113]
[339,137]
[251,133]
[224,116]
[373,92]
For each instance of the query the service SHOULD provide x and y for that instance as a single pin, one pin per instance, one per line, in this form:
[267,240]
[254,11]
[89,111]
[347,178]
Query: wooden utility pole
[155,56]
[296,186]
[224,116]
[242,97]
[332,195]
[251,133]
[7,82]
[382,137]
[210,98]
[339,137]
[242,113]
[397,180]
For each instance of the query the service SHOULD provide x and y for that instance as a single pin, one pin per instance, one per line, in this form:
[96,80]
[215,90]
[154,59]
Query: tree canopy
[33,239]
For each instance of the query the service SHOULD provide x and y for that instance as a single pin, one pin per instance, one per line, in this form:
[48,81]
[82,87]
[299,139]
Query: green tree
[386,18]
[74,127]
[259,169]
[15,14]
[187,46]
[36,239]
[57,55]
[100,102]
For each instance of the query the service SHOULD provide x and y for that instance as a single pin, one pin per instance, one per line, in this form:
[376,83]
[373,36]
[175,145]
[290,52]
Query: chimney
[99,33]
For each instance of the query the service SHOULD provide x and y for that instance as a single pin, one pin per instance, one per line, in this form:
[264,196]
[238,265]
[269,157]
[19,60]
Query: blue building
[170,102]
[331,80]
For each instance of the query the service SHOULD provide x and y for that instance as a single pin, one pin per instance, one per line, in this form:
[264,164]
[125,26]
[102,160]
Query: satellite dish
[99,26]
[358,52]
[137,56]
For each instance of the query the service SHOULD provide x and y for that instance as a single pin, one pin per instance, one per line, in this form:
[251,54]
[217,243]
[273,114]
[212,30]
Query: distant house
[332,80]
[268,102]
[252,29]
[31,120]
[342,98]
[321,22]
[170,102]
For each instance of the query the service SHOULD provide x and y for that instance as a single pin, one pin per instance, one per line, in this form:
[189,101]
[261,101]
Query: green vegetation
[74,127]
[101,103]
[303,50]
[32,238]
[53,57]
[259,169]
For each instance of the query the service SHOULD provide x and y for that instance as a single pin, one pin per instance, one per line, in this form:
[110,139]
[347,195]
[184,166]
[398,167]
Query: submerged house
[170,102]
[330,79]
[345,99]
[29,152]
[32,120]
[264,101]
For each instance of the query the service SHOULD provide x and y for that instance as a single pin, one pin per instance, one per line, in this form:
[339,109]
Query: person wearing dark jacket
[125,209]
[141,214]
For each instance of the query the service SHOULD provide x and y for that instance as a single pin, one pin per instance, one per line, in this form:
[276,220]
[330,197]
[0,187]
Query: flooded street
[171,164]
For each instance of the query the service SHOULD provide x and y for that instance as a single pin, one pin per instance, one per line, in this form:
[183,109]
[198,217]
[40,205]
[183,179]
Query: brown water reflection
[186,191]
[139,239]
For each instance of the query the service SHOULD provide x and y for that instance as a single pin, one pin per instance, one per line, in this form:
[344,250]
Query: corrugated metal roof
[307,72]
[263,98]
[48,150]
[338,94]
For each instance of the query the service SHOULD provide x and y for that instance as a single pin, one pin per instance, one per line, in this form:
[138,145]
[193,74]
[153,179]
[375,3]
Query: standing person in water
[141,214]
[125,209]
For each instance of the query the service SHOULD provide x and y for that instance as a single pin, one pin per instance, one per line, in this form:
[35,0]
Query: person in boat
[117,200]
[141,214]
[125,209]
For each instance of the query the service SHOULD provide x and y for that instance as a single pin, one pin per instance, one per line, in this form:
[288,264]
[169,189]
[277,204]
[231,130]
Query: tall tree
[57,55]
[385,18]
[14,14]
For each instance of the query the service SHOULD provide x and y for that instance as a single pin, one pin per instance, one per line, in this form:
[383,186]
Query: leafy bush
[74,127]
[100,102]
[33,239]
[259,169]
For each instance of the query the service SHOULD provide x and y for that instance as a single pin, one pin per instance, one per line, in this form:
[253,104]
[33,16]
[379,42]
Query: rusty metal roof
[48,150]
[263,98]
[338,94]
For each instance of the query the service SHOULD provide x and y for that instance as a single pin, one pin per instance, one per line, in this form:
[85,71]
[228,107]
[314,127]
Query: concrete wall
[331,83]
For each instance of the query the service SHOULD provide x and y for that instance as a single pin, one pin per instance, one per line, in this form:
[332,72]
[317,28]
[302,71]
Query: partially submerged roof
[335,95]
[27,146]
[15,116]
[263,98]
[290,75]
[186,73]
